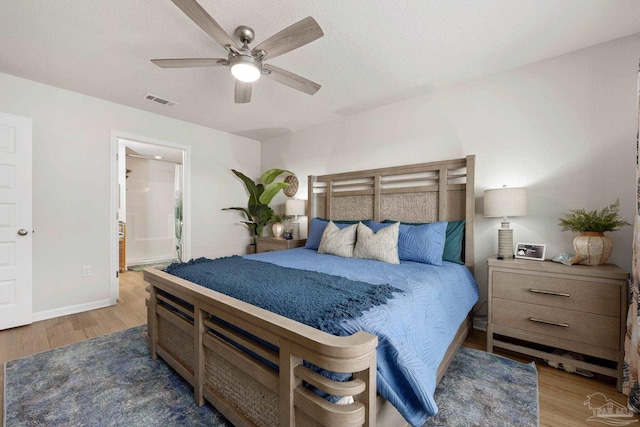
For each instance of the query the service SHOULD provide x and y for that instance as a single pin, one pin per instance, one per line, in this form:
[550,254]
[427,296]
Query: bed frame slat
[251,345]
[179,321]
[266,376]
[336,388]
[329,414]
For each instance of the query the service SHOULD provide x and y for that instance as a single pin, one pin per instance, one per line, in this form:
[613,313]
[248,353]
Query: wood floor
[561,395]
[48,334]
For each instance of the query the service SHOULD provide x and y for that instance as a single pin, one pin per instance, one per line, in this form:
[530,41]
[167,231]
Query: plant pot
[278,229]
[251,249]
[595,246]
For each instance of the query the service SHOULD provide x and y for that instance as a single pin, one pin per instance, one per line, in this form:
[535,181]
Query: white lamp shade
[505,201]
[295,207]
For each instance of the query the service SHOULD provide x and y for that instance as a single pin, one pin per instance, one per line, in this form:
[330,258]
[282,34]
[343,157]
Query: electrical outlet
[86,270]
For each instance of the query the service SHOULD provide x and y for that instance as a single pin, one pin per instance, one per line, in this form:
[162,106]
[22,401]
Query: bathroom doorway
[150,202]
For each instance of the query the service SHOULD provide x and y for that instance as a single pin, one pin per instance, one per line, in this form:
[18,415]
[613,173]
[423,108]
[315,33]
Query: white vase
[595,246]
[278,229]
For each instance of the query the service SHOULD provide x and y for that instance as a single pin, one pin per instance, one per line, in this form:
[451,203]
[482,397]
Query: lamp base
[505,243]
[296,230]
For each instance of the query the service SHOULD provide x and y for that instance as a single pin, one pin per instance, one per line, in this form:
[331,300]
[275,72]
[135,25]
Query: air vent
[160,100]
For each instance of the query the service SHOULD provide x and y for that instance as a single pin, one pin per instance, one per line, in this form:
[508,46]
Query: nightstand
[268,244]
[536,307]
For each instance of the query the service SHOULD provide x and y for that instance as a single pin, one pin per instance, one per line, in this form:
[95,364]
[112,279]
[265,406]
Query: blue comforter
[316,299]
[414,329]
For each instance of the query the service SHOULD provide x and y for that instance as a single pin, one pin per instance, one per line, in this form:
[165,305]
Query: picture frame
[534,251]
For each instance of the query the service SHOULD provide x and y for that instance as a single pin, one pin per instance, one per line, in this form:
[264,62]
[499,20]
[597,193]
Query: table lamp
[295,208]
[505,202]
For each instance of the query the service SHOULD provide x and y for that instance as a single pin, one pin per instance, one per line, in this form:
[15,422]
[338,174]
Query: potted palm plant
[592,244]
[258,213]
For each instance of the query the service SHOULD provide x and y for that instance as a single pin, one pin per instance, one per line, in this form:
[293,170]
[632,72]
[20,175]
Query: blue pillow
[419,243]
[452,242]
[422,243]
[376,226]
[317,228]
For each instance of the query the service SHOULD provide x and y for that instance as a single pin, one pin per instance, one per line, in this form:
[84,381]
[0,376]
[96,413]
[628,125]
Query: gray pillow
[381,245]
[336,241]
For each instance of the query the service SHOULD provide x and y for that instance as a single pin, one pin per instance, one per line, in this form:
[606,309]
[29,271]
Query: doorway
[149,203]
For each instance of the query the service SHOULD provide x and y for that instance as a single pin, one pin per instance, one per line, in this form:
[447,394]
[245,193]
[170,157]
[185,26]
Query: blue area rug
[105,381]
[483,389]
[112,381]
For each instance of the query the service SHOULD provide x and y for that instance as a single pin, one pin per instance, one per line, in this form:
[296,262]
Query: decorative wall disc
[292,189]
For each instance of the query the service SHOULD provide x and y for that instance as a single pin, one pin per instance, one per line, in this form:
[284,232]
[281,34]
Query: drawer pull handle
[541,291]
[549,322]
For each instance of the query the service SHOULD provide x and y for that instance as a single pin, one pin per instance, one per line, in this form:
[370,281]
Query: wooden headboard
[424,192]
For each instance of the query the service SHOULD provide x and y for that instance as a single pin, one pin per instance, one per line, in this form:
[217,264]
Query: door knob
[22,232]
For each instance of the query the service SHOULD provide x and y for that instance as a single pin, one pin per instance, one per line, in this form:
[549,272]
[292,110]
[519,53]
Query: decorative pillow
[453,239]
[381,245]
[317,228]
[336,241]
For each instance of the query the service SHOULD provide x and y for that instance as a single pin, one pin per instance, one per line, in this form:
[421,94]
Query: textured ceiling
[374,52]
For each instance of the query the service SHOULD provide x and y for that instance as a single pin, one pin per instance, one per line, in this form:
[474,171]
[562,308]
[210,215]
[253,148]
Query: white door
[15,221]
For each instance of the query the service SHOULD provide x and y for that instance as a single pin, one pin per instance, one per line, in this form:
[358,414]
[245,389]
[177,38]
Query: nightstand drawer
[587,328]
[571,294]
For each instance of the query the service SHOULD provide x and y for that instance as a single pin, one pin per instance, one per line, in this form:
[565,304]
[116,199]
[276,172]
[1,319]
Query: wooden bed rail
[220,330]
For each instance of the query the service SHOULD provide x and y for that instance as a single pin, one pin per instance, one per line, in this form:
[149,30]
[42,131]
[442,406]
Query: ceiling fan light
[245,72]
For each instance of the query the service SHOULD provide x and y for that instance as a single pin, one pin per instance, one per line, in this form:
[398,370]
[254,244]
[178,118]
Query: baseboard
[72,309]
[150,261]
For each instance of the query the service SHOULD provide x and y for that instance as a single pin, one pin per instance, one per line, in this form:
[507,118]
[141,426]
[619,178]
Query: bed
[192,328]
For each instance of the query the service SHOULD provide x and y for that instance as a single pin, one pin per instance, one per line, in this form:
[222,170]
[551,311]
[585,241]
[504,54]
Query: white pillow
[336,241]
[381,245]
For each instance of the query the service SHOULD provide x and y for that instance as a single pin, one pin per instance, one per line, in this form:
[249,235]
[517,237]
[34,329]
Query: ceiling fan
[247,65]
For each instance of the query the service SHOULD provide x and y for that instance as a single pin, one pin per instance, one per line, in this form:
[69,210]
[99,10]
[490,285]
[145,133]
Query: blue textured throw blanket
[316,299]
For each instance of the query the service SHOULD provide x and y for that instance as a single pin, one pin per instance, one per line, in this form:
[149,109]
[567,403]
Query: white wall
[150,211]
[565,128]
[71,143]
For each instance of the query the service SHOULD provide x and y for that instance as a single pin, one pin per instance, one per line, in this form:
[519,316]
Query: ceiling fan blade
[292,37]
[243,92]
[193,10]
[293,80]
[189,62]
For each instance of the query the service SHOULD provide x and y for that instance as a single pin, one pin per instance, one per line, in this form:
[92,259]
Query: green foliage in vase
[258,212]
[600,220]
[278,218]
